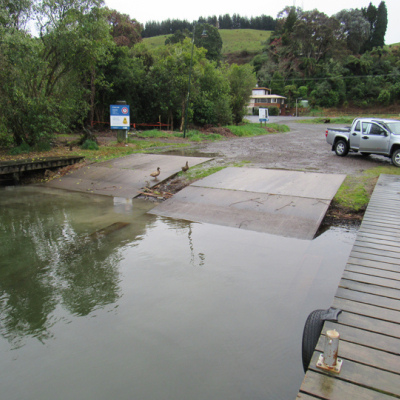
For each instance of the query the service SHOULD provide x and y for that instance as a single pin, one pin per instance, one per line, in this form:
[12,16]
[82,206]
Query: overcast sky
[160,10]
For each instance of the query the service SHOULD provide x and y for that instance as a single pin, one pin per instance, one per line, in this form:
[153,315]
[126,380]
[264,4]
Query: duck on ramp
[124,177]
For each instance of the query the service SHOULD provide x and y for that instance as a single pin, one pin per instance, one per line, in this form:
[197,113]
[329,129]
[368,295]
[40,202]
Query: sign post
[120,120]
[263,115]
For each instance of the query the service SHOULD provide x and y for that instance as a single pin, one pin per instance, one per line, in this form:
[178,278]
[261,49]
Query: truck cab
[369,137]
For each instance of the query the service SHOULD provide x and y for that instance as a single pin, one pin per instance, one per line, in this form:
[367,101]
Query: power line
[335,77]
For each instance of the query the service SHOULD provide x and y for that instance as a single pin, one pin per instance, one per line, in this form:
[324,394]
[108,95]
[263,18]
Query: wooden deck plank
[371,244]
[367,298]
[385,240]
[373,264]
[368,288]
[367,310]
[305,396]
[365,338]
[376,252]
[365,355]
[369,324]
[373,257]
[392,221]
[327,387]
[374,234]
[376,226]
[391,235]
[366,376]
[381,273]
[372,280]
[387,215]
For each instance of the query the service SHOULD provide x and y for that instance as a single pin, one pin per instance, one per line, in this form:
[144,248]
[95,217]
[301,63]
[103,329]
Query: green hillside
[234,40]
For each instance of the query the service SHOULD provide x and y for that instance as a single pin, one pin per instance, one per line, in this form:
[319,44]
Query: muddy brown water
[100,300]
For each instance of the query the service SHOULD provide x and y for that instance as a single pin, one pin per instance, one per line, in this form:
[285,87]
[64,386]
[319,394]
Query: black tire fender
[311,333]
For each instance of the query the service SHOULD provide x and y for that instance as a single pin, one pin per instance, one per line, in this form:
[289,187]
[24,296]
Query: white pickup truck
[367,136]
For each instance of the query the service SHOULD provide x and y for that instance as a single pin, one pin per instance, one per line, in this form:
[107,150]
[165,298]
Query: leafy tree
[242,80]
[178,37]
[125,30]
[212,42]
[378,39]
[31,106]
[278,84]
[303,90]
[15,13]
[48,84]
[259,60]
[212,105]
[354,28]
[377,18]
[316,35]
[124,78]
[384,97]
[170,74]
[291,92]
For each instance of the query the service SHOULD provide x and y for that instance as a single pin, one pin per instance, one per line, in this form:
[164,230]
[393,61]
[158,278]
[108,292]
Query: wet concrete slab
[279,182]
[124,177]
[285,203]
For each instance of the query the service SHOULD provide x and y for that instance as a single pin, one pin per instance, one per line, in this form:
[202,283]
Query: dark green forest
[263,22]
[86,57]
[332,61]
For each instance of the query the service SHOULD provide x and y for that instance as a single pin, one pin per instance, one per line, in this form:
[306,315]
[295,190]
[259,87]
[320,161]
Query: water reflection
[144,307]
[183,227]
[49,258]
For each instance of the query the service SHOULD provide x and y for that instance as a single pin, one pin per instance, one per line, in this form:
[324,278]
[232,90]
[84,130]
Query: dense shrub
[273,111]
[21,149]
[90,145]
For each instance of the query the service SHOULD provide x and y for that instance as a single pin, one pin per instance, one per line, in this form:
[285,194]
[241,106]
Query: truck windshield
[394,127]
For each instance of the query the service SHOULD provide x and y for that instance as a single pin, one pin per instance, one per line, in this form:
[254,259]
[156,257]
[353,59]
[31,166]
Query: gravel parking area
[303,148]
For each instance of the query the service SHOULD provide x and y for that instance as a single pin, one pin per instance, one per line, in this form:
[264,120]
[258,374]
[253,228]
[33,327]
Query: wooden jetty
[17,167]
[369,297]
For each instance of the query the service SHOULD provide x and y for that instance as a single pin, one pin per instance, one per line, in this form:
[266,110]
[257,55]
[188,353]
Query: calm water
[159,309]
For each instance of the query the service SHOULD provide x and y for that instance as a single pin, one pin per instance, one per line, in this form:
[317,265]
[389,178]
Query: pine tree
[377,18]
[378,39]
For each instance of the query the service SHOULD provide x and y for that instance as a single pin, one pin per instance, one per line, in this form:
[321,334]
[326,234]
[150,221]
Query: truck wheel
[341,148]
[396,158]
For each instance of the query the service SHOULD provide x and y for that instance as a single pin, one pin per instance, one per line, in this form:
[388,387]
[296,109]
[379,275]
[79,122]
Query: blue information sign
[119,117]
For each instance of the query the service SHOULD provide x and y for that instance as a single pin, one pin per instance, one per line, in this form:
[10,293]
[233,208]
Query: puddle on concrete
[157,309]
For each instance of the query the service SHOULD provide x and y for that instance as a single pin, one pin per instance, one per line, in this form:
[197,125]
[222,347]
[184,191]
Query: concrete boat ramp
[285,203]
[124,177]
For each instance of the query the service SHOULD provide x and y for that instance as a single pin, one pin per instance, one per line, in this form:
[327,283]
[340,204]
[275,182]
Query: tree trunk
[92,94]
[183,116]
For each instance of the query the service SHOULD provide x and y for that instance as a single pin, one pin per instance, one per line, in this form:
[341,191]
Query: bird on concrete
[155,174]
[186,167]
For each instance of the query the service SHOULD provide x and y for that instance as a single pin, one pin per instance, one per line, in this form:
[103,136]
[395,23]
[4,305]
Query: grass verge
[199,172]
[252,129]
[110,152]
[355,192]
[322,120]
